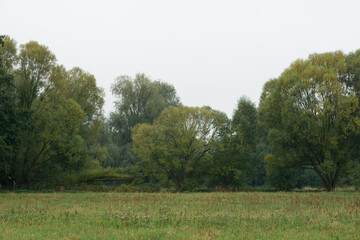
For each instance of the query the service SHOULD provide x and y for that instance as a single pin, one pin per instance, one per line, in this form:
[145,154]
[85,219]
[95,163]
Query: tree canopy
[311,114]
[50,117]
[140,100]
[305,131]
[179,141]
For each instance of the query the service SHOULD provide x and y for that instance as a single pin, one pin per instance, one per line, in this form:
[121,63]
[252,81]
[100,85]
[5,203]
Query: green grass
[87,215]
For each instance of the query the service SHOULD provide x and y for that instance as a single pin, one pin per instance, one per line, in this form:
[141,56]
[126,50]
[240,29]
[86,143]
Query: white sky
[213,52]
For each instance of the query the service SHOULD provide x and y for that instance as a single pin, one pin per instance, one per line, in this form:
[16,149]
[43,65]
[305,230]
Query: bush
[282,179]
[102,176]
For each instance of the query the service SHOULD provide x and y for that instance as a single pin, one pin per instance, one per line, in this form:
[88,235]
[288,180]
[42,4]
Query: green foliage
[354,174]
[82,89]
[238,160]
[51,118]
[140,101]
[311,115]
[100,174]
[249,141]
[35,64]
[13,120]
[280,178]
[147,175]
[235,155]
[353,68]
[244,123]
[8,53]
[180,142]
[53,132]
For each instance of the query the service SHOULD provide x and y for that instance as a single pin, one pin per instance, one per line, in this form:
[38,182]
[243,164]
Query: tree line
[304,132]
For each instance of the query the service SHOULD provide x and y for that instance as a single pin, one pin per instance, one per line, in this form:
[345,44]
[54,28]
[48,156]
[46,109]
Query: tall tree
[8,53]
[140,101]
[353,79]
[236,160]
[35,64]
[51,117]
[311,115]
[82,88]
[353,70]
[13,120]
[244,122]
[250,143]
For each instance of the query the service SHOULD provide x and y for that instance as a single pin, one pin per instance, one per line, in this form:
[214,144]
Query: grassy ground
[180,216]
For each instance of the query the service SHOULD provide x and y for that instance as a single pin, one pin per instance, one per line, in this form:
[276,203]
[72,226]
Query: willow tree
[311,114]
[35,64]
[49,117]
[179,142]
[140,100]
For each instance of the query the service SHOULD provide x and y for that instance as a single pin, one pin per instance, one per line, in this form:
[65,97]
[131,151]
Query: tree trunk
[330,188]
[329,185]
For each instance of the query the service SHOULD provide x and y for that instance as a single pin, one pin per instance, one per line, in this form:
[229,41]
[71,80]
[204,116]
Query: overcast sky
[213,52]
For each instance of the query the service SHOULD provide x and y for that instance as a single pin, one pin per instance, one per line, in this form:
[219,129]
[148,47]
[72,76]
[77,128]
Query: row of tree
[305,131]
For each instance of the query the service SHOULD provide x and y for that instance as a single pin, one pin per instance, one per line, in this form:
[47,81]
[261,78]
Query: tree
[279,177]
[13,120]
[67,117]
[50,117]
[83,90]
[353,79]
[353,70]
[244,122]
[55,118]
[35,65]
[180,141]
[140,101]
[36,62]
[236,161]
[311,116]
[8,53]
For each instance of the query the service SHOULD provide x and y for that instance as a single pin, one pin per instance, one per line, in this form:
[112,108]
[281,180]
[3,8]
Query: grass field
[87,215]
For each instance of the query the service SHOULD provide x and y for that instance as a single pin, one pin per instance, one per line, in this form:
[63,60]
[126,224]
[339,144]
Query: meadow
[256,215]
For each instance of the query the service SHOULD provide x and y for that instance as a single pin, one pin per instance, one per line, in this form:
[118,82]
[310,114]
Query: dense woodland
[53,133]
